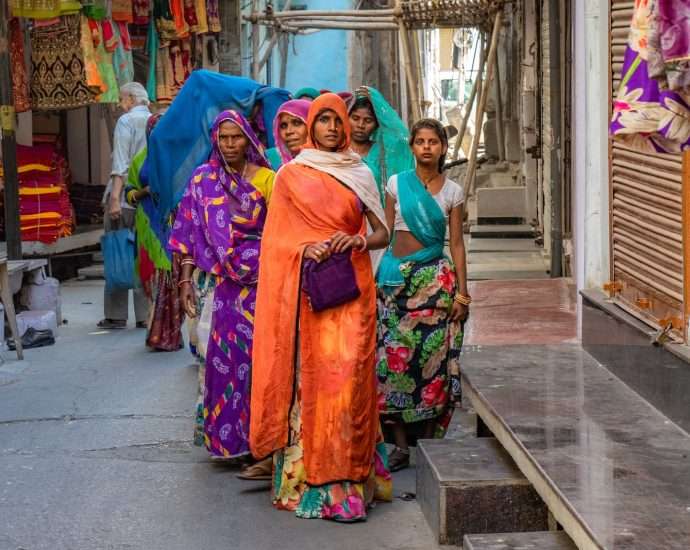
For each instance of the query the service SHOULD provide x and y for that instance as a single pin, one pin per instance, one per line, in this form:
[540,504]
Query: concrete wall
[590,140]
[319,60]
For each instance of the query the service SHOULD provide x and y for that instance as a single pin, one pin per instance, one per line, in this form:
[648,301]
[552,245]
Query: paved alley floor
[96,454]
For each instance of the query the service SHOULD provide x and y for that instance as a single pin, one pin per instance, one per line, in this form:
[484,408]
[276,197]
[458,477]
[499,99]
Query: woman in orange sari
[314,402]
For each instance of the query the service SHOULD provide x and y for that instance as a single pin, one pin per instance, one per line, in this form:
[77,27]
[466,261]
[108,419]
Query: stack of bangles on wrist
[462,299]
[186,261]
[184,282]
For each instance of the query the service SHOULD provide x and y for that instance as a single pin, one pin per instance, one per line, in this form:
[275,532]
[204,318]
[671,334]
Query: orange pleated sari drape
[336,347]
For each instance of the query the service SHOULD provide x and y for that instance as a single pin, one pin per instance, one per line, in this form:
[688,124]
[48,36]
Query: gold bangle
[462,299]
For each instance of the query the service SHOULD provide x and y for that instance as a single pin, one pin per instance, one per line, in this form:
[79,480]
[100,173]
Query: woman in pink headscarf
[289,132]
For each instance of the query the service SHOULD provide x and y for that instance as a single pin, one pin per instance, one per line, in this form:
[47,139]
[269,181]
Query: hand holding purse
[330,283]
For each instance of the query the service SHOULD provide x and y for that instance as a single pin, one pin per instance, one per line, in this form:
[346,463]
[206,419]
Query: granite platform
[549,540]
[471,485]
[613,470]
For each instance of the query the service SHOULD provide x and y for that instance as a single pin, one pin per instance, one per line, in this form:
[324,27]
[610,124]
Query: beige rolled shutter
[647,247]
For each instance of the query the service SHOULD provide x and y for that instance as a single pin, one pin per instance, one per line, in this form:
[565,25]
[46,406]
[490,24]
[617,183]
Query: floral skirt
[344,501]
[418,356]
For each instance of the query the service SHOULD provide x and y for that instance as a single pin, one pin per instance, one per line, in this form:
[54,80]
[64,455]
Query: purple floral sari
[648,114]
[219,223]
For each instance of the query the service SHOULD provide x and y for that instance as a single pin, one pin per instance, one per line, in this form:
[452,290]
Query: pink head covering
[295,107]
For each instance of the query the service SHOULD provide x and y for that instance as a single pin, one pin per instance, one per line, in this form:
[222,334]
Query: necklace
[426,184]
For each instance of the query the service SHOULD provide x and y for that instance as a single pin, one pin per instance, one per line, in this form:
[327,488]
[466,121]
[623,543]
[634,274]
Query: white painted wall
[590,138]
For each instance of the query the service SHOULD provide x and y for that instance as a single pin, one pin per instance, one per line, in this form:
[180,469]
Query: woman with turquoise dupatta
[422,295]
[379,136]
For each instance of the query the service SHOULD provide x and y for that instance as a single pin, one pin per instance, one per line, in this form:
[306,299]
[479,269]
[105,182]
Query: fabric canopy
[180,141]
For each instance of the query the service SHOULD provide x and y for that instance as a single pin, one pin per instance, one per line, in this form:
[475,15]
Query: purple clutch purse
[330,283]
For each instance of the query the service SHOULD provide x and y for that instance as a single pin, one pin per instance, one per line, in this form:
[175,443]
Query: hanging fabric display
[213,15]
[58,79]
[152,50]
[201,26]
[142,11]
[44,9]
[20,79]
[97,10]
[123,62]
[104,60]
[122,10]
[647,114]
[93,76]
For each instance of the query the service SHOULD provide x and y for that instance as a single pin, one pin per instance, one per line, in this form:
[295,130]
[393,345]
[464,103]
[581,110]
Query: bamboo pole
[472,160]
[500,137]
[273,41]
[419,77]
[256,28]
[411,84]
[328,13]
[470,102]
[295,26]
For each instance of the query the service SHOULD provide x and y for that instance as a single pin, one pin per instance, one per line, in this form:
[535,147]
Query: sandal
[111,324]
[259,471]
[399,459]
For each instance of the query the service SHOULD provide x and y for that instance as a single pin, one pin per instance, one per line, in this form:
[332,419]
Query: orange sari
[336,347]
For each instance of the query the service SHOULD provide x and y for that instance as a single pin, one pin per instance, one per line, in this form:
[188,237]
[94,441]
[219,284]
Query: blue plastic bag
[118,259]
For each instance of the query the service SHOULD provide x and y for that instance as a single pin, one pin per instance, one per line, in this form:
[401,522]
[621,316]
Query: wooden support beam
[481,108]
[354,26]
[470,101]
[256,30]
[500,136]
[9,141]
[407,64]
[334,13]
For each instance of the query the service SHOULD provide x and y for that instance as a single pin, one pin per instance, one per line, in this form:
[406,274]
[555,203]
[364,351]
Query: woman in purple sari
[217,231]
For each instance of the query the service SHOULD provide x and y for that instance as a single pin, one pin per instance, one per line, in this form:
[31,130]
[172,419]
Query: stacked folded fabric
[45,210]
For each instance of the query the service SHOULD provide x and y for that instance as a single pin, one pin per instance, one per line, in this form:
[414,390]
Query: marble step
[471,485]
[490,231]
[547,540]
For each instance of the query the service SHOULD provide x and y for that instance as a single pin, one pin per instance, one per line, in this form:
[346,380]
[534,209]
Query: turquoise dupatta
[426,222]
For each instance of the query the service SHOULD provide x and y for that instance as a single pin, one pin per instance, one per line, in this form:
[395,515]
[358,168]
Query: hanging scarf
[297,108]
[20,79]
[122,11]
[152,50]
[390,152]
[426,222]
[142,11]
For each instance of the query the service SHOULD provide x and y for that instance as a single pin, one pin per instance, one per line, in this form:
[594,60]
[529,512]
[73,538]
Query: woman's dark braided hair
[435,126]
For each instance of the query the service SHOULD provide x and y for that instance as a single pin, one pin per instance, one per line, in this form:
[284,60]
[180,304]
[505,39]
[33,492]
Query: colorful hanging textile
[181,26]
[152,51]
[97,10]
[190,13]
[647,115]
[104,60]
[165,81]
[93,76]
[110,41]
[669,43]
[44,9]
[142,11]
[201,26]
[122,10]
[58,78]
[181,61]
[123,62]
[164,20]
[20,78]
[213,15]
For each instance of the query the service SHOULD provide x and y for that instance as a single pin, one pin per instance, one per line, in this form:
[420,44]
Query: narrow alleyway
[96,454]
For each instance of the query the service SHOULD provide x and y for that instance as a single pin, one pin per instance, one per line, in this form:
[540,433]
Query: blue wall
[318,60]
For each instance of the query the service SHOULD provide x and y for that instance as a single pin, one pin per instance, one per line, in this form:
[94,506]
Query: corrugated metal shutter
[646,215]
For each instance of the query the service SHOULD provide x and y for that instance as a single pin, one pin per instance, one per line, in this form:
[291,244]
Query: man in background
[129,138]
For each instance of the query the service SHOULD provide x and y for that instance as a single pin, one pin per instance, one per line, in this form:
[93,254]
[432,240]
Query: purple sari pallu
[219,223]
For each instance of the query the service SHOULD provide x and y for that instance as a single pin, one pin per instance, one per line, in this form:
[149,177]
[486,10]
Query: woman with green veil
[379,136]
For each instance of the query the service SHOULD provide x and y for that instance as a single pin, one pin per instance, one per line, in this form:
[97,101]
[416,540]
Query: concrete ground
[96,454]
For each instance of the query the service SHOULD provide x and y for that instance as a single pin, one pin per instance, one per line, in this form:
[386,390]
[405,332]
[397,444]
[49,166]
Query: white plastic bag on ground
[38,320]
